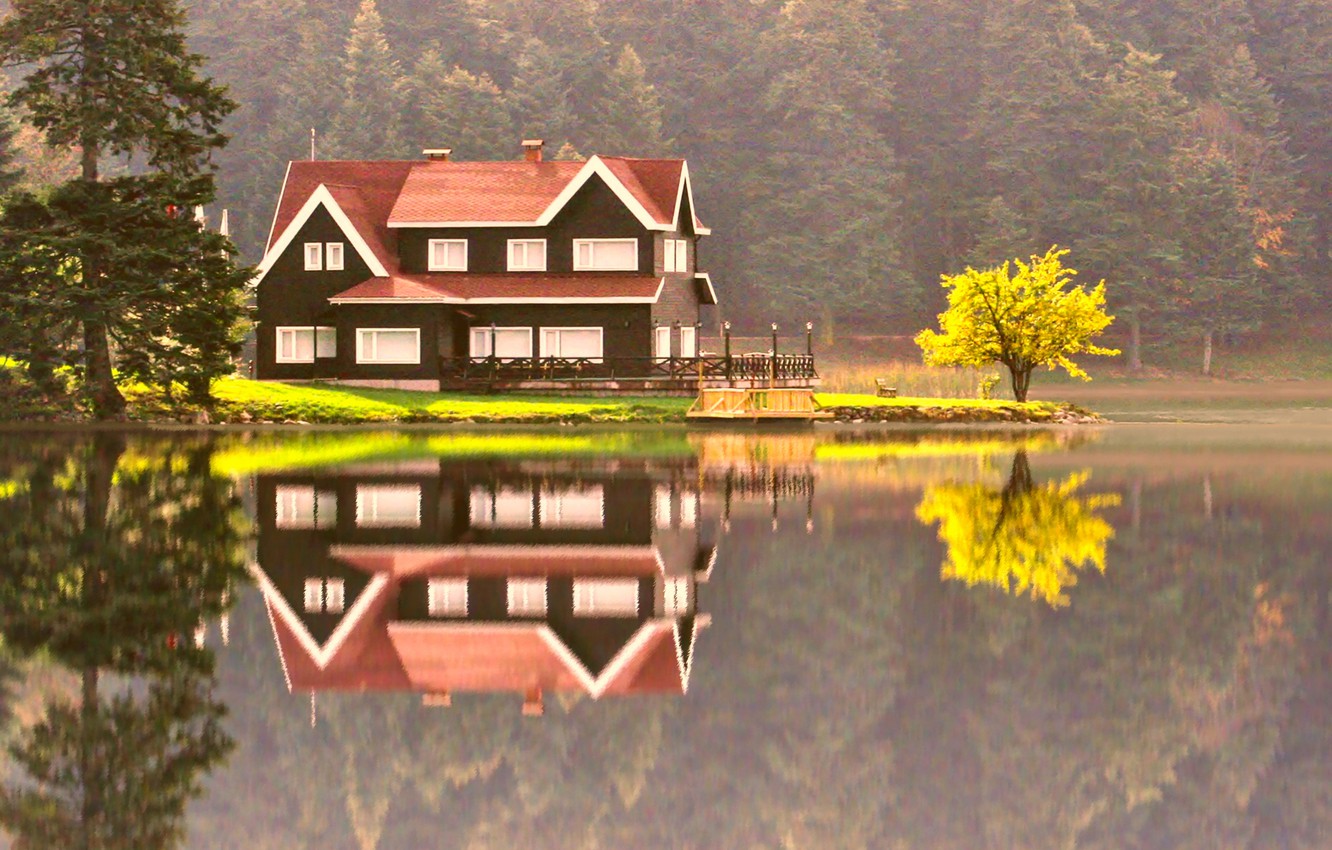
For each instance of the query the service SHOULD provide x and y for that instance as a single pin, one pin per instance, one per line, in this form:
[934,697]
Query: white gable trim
[701,621]
[687,186]
[596,686]
[320,655]
[320,197]
[707,278]
[286,175]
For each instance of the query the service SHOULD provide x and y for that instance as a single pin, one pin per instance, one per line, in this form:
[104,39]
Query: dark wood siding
[291,296]
[627,328]
[593,213]
[433,320]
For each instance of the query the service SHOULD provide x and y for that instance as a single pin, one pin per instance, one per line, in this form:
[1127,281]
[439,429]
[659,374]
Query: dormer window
[607,255]
[527,255]
[447,255]
[314,256]
[325,595]
[333,256]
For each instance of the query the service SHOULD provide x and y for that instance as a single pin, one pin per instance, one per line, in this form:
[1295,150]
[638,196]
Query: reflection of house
[478,579]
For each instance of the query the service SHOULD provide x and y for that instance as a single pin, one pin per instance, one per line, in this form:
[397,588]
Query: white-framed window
[509,342]
[676,596]
[301,506]
[326,342]
[668,255]
[682,255]
[388,506]
[333,256]
[388,345]
[325,595]
[447,255]
[502,508]
[583,507]
[527,597]
[605,597]
[661,342]
[527,255]
[446,597]
[295,345]
[572,342]
[615,255]
[661,506]
[688,509]
[688,341]
[314,256]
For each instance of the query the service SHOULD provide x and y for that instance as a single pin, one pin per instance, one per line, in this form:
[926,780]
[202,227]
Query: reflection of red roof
[410,561]
[473,287]
[376,186]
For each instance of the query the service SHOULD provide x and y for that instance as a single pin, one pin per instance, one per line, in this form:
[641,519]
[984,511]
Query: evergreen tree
[112,79]
[11,173]
[539,97]
[367,124]
[461,111]
[629,117]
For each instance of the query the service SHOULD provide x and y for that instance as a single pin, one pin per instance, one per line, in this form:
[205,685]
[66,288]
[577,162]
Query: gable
[371,251]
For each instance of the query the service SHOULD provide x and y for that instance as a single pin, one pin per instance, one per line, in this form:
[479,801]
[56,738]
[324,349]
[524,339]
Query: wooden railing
[754,367]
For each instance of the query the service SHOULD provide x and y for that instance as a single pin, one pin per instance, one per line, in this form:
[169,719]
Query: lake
[1109,637]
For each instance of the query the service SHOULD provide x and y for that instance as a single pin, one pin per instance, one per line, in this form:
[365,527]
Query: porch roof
[545,288]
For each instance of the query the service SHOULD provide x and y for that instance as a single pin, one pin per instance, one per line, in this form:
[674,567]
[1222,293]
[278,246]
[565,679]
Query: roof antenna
[312,141]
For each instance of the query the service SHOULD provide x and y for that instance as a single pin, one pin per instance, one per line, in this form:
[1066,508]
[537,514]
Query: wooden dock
[775,404]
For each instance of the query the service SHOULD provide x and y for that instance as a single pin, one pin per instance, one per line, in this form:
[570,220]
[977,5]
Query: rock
[245,416]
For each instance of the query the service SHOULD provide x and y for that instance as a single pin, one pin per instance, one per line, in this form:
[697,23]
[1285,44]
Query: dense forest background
[848,152]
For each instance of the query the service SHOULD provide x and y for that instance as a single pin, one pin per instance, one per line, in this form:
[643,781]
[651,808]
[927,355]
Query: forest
[848,152]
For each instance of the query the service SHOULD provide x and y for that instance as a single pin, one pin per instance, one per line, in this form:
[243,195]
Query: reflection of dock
[737,404]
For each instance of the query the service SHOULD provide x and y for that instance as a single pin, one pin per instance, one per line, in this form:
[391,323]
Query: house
[413,274]
[448,578]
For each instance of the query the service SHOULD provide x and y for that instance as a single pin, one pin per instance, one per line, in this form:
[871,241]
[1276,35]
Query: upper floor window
[446,597]
[388,506]
[447,255]
[314,256]
[675,255]
[325,595]
[527,255]
[527,597]
[333,256]
[619,255]
[605,597]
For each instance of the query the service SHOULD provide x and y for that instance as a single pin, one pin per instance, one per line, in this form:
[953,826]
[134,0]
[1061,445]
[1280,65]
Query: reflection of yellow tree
[1025,538]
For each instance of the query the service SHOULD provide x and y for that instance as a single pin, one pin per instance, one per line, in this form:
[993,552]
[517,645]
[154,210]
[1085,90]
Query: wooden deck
[776,404]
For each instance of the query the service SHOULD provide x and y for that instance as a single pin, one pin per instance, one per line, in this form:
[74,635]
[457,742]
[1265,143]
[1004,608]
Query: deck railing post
[493,362]
[809,339]
[726,337]
[772,369]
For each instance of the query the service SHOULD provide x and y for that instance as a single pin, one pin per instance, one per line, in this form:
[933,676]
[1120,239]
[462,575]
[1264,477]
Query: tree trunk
[1021,381]
[107,401]
[1135,343]
[1207,352]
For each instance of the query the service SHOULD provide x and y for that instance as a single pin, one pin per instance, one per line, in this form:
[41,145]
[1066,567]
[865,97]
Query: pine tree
[367,124]
[11,173]
[111,79]
[629,116]
[539,96]
[462,111]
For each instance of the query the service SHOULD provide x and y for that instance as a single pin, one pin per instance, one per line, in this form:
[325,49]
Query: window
[661,343]
[676,596]
[295,345]
[620,255]
[668,256]
[688,341]
[388,506]
[527,597]
[570,508]
[325,595]
[388,345]
[661,506]
[509,342]
[333,256]
[572,342]
[447,255]
[503,508]
[605,597]
[682,255]
[304,507]
[446,597]
[527,255]
[326,342]
[314,256]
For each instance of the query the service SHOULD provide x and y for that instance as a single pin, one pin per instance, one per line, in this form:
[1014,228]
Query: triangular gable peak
[322,197]
[321,654]
[684,193]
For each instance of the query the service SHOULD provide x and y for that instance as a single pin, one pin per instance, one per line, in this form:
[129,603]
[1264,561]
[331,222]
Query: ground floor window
[509,342]
[661,343]
[572,343]
[388,345]
[583,507]
[688,341]
[326,342]
[295,345]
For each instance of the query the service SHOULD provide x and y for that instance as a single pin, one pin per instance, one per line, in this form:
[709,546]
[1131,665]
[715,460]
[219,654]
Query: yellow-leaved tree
[1025,538]
[1034,317]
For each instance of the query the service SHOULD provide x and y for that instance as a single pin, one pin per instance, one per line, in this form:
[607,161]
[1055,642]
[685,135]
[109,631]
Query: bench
[882,390]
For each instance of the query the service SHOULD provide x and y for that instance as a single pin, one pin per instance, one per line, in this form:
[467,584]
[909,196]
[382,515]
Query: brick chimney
[437,154]
[532,149]
[533,704]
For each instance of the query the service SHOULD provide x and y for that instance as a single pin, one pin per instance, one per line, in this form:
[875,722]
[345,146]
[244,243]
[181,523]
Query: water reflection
[111,558]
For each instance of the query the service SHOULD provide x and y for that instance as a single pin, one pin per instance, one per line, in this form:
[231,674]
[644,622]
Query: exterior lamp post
[494,363]
[726,342]
[809,338]
[772,367]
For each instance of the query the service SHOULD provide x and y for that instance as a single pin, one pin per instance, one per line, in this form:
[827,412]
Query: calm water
[1112,638]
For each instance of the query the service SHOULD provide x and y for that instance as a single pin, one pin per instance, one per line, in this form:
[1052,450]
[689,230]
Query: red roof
[466,287]
[369,188]
[481,191]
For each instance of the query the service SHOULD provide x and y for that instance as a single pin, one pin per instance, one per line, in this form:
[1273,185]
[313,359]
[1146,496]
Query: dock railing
[751,367]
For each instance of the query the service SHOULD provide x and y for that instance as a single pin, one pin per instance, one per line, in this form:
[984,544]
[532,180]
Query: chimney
[532,149]
[533,706]
[438,699]
[437,154]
